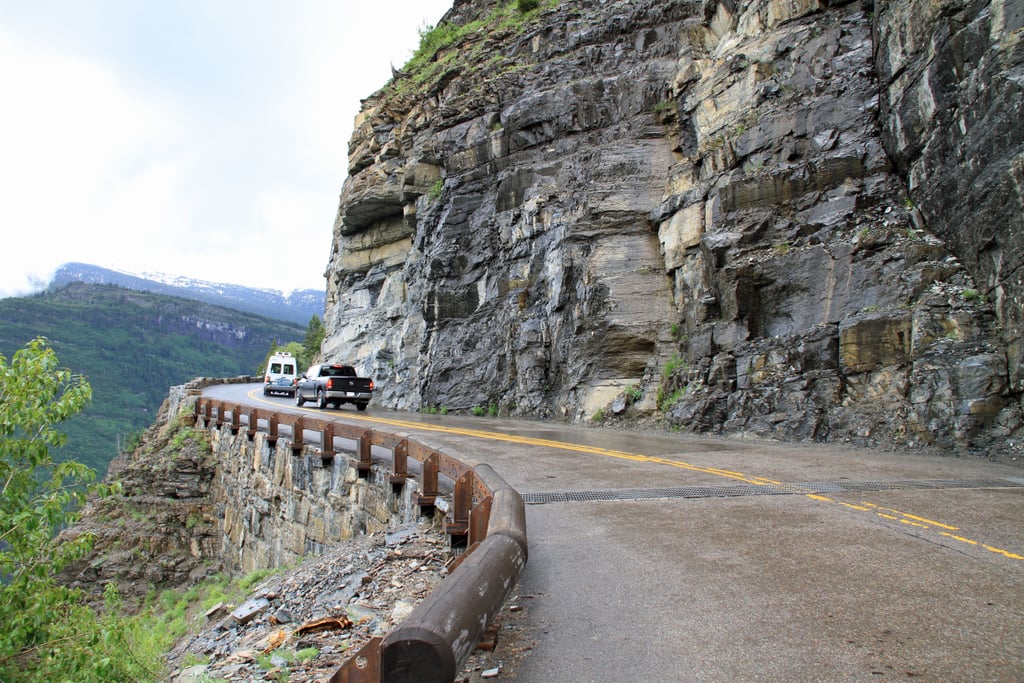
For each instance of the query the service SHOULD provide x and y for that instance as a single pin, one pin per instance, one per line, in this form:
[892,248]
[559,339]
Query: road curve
[664,558]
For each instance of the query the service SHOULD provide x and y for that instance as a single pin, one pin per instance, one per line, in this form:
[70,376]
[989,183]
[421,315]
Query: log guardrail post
[235,421]
[327,441]
[428,485]
[399,464]
[457,526]
[272,429]
[298,436]
[364,444]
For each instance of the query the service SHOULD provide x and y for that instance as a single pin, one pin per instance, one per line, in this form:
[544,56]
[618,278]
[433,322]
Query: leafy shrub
[49,631]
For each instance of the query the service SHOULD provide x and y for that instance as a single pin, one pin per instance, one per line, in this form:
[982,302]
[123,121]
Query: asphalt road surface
[665,558]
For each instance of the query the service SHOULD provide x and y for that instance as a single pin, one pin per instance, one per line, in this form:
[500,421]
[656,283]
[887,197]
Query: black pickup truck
[333,385]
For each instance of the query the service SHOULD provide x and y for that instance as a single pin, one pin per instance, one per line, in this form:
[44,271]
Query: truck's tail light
[330,384]
[371,385]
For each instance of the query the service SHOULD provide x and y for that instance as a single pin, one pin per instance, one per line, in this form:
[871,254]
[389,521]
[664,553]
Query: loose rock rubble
[303,625]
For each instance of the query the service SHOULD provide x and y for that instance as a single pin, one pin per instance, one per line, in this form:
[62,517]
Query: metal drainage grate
[764,490]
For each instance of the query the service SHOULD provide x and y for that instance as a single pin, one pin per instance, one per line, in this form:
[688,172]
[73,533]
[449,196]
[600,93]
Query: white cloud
[186,137]
[76,144]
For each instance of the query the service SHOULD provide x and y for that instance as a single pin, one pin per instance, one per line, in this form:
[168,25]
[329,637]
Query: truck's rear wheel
[321,400]
[361,406]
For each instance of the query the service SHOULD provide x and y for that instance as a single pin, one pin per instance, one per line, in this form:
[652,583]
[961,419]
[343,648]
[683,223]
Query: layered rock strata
[673,209]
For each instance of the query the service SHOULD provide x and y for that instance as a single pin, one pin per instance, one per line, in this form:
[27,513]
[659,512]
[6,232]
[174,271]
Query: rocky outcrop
[952,93]
[675,209]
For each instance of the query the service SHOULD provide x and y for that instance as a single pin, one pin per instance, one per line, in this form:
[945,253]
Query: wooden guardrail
[487,516]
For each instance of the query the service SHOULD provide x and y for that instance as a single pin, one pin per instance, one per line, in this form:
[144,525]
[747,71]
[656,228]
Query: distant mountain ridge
[299,306]
[132,346]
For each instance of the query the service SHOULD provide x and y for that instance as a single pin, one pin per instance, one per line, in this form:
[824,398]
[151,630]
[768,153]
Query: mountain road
[662,557]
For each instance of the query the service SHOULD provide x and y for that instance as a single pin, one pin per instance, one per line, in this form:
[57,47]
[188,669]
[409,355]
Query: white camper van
[282,372]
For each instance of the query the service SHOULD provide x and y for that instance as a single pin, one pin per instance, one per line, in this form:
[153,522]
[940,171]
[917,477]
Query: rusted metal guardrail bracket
[235,422]
[428,485]
[327,441]
[399,465]
[298,438]
[361,667]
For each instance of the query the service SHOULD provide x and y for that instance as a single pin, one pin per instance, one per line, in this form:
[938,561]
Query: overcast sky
[202,138]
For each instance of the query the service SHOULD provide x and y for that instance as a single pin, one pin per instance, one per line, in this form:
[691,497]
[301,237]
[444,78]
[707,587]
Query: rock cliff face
[952,95]
[696,211]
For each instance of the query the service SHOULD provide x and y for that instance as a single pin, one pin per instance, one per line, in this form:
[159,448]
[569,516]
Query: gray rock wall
[673,210]
[952,93]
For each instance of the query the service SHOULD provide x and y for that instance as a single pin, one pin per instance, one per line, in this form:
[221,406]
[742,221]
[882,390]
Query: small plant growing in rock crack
[673,364]
[434,193]
[493,410]
[478,411]
[634,393]
[675,397]
[973,296]
[598,415]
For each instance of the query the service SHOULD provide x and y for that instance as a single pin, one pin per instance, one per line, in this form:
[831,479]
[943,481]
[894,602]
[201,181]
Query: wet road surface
[657,557]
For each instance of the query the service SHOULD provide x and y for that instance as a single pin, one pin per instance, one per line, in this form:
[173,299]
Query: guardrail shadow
[487,517]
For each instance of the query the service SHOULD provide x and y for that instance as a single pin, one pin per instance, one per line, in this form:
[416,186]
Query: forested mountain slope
[131,346]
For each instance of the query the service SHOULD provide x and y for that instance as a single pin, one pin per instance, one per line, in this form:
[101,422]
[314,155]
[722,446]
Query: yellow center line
[559,445]
[925,520]
[897,516]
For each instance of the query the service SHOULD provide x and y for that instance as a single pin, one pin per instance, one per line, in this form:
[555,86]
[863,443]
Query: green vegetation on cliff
[132,346]
[450,47]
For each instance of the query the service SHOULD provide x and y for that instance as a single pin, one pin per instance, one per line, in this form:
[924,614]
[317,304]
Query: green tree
[314,337]
[48,632]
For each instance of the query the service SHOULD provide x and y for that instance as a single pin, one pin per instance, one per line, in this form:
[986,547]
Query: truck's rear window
[338,371]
